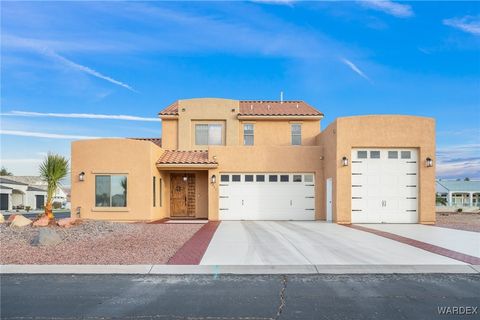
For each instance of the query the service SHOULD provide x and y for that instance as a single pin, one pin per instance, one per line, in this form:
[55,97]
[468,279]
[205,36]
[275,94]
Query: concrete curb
[235,269]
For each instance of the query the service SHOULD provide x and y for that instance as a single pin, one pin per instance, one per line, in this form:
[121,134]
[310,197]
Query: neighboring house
[15,194]
[459,193]
[60,195]
[222,159]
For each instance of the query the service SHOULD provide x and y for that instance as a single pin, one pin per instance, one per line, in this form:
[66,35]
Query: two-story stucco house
[222,159]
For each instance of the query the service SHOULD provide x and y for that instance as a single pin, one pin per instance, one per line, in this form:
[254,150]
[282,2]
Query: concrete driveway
[466,242]
[312,242]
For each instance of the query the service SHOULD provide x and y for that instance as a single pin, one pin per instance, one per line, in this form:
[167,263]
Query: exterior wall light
[345,161]
[213,179]
[185,178]
[81,176]
[429,162]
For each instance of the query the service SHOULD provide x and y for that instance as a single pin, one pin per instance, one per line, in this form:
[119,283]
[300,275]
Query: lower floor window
[110,191]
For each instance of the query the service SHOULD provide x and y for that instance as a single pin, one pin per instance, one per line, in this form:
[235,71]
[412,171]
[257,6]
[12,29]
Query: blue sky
[74,70]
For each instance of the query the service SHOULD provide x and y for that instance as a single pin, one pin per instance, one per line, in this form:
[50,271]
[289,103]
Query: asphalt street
[238,297]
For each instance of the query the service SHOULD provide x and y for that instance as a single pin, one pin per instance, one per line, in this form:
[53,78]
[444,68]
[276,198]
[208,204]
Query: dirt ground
[461,221]
[96,242]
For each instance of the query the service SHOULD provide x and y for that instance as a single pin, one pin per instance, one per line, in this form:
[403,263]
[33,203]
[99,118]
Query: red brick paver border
[421,245]
[193,250]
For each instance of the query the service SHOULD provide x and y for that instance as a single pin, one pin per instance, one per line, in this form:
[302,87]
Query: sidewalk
[235,269]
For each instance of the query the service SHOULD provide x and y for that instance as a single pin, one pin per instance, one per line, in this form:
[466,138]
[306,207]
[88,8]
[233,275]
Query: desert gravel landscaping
[461,221]
[97,242]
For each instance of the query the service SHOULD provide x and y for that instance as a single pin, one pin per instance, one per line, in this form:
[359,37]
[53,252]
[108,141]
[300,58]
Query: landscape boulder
[11,217]
[66,222]
[43,221]
[2,218]
[20,221]
[46,237]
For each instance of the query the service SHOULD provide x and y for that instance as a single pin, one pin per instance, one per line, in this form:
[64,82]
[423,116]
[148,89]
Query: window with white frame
[296,129]
[248,134]
[208,134]
[110,191]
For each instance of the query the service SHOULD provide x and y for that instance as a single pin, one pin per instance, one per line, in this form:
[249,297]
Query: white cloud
[79,115]
[44,135]
[458,161]
[355,69]
[42,47]
[392,8]
[87,70]
[467,24]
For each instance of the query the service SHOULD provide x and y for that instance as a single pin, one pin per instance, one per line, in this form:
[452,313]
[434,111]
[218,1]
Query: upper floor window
[248,134]
[110,191]
[296,134]
[208,134]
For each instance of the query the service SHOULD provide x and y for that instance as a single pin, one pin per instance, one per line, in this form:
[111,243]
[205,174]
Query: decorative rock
[2,218]
[20,221]
[42,222]
[46,237]
[66,222]
[11,217]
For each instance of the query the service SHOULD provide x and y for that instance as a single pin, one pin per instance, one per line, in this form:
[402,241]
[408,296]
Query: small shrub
[459,210]
[28,208]
[57,205]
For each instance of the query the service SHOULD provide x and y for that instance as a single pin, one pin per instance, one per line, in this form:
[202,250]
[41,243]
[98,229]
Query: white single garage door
[384,186]
[267,196]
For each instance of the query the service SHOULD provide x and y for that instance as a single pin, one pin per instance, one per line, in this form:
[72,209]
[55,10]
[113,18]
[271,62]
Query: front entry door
[182,195]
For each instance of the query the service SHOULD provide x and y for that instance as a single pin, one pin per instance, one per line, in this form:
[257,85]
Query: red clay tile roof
[171,110]
[263,108]
[157,141]
[277,108]
[185,157]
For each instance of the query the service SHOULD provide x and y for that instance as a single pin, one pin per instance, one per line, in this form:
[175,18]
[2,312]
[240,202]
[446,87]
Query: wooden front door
[182,195]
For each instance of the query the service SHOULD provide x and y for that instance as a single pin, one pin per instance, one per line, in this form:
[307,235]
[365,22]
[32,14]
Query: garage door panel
[358,179]
[389,186]
[265,200]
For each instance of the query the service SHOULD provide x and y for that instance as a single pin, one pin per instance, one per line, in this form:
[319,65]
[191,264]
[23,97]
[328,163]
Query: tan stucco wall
[134,158]
[266,159]
[170,134]
[179,132]
[204,109]
[379,131]
[278,132]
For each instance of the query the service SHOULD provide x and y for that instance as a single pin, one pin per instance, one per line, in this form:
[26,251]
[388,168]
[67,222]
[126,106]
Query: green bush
[57,205]
[28,208]
[459,210]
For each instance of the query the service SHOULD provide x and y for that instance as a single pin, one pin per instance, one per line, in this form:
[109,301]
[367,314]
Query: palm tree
[53,169]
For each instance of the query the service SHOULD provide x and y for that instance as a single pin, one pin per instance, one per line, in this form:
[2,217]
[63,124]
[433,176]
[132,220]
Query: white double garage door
[384,186]
[267,196]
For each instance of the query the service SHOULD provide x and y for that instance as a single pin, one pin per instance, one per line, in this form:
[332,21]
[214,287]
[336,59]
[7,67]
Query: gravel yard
[97,242]
[461,221]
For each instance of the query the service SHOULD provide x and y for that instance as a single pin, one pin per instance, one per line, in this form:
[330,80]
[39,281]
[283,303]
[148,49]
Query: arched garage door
[384,186]
[267,196]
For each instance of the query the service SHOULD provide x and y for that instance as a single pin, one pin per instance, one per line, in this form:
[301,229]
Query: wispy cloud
[392,8]
[44,135]
[87,70]
[79,116]
[459,161]
[355,69]
[467,24]
[41,47]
